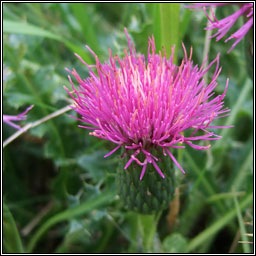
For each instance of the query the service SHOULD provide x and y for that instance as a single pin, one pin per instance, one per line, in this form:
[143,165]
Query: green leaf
[95,164]
[93,203]
[13,27]
[170,19]
[175,243]
[11,238]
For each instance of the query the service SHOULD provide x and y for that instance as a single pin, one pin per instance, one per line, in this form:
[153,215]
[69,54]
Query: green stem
[148,227]
[207,45]
[54,132]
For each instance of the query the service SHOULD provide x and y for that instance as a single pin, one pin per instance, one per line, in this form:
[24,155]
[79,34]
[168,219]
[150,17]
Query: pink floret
[224,25]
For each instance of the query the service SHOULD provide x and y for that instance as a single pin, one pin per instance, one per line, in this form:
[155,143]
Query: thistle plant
[148,106]
[224,25]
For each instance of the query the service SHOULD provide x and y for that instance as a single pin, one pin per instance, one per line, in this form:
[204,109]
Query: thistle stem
[147,225]
[34,124]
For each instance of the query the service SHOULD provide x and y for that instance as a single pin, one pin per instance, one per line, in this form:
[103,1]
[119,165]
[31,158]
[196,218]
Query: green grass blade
[218,225]
[198,173]
[246,247]
[11,238]
[170,19]
[157,25]
[241,175]
[222,196]
[207,185]
[13,27]
[8,14]
[184,24]
[231,119]
[81,209]
[82,15]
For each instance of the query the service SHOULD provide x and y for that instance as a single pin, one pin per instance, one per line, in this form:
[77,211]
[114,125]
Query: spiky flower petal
[148,104]
[9,119]
[224,25]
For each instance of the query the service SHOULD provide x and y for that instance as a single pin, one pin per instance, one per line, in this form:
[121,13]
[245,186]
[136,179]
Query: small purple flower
[225,24]
[10,119]
[143,105]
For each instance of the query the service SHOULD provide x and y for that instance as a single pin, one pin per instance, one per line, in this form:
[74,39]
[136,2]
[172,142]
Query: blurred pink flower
[225,24]
[143,105]
[10,119]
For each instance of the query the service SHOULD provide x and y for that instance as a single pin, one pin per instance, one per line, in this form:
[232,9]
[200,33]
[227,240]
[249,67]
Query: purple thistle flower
[225,24]
[144,105]
[10,119]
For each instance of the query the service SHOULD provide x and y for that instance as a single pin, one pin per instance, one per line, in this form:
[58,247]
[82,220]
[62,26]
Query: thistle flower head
[9,119]
[148,103]
[224,25]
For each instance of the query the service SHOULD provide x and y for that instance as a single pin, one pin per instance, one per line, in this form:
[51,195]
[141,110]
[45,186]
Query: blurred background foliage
[59,192]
